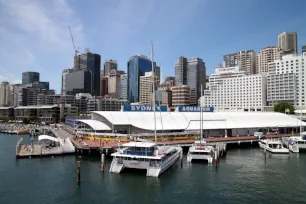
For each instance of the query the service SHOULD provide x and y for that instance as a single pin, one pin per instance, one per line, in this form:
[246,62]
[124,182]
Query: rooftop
[139,144]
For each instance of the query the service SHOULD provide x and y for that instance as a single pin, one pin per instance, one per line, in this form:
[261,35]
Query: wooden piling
[79,172]
[102,162]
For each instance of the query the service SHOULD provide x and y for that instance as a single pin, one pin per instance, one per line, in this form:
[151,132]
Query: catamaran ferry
[145,155]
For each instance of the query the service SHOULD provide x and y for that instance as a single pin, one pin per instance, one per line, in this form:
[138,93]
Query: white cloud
[34,36]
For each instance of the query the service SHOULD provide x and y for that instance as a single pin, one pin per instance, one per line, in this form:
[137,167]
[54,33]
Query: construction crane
[76,50]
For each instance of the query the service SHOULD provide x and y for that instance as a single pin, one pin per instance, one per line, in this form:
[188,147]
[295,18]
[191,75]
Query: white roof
[139,144]
[47,137]
[191,120]
[96,125]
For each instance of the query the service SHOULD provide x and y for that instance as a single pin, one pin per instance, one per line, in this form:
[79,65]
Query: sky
[34,34]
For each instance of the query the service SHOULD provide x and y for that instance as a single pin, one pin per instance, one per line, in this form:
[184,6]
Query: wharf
[96,144]
[37,150]
[63,146]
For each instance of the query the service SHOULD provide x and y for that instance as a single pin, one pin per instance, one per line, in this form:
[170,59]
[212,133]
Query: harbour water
[243,176]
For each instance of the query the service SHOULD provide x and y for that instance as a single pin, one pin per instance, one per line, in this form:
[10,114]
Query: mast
[300,93]
[153,83]
[201,116]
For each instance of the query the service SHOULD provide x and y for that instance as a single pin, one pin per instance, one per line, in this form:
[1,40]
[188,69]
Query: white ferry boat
[273,146]
[299,141]
[145,155]
[200,151]
[291,144]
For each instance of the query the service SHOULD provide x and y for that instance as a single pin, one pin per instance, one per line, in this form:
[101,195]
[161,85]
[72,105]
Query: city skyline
[41,40]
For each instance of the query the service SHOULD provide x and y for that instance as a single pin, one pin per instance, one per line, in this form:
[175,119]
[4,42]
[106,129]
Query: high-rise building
[146,88]
[104,86]
[163,97]
[168,83]
[65,72]
[265,56]
[114,84]
[287,41]
[5,94]
[137,66]
[105,104]
[286,81]
[231,89]
[29,77]
[123,86]
[78,82]
[245,60]
[180,96]
[191,72]
[230,60]
[109,65]
[90,62]
[303,48]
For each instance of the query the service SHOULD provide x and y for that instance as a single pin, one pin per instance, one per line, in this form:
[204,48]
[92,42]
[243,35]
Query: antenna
[153,82]
[76,50]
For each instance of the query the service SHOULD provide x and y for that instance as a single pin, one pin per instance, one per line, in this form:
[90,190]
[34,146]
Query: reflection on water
[243,176]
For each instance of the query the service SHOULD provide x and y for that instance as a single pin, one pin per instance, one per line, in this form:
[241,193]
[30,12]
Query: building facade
[146,88]
[286,81]
[137,66]
[114,84]
[303,48]
[105,104]
[281,88]
[163,97]
[90,62]
[64,74]
[287,41]
[29,77]
[230,60]
[78,81]
[265,56]
[109,65]
[245,60]
[104,86]
[123,86]
[233,90]
[180,96]
[5,94]
[191,72]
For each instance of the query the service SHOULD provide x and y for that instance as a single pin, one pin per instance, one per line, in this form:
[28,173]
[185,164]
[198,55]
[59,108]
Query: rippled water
[242,177]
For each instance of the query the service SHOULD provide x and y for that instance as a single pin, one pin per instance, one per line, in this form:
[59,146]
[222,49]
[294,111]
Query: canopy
[47,137]
[95,125]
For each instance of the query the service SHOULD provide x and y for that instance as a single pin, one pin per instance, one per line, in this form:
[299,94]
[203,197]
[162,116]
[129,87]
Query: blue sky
[34,34]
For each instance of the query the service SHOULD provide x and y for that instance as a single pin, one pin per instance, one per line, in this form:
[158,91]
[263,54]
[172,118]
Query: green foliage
[281,107]
[4,118]
[25,121]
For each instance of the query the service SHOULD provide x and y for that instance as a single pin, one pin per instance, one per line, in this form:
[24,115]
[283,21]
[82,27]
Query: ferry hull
[118,165]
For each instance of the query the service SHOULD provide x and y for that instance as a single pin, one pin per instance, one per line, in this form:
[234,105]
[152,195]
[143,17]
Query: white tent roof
[191,120]
[96,125]
[47,137]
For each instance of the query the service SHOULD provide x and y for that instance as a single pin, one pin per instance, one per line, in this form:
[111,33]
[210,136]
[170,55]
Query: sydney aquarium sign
[141,108]
[195,109]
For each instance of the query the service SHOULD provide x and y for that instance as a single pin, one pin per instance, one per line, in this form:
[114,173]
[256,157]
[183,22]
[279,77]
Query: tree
[281,107]
[25,121]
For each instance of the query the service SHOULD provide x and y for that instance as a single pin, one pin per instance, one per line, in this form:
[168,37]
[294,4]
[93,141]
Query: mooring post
[265,154]
[102,161]
[79,172]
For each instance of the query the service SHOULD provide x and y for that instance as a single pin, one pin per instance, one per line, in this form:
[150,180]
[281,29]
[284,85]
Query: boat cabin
[139,148]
